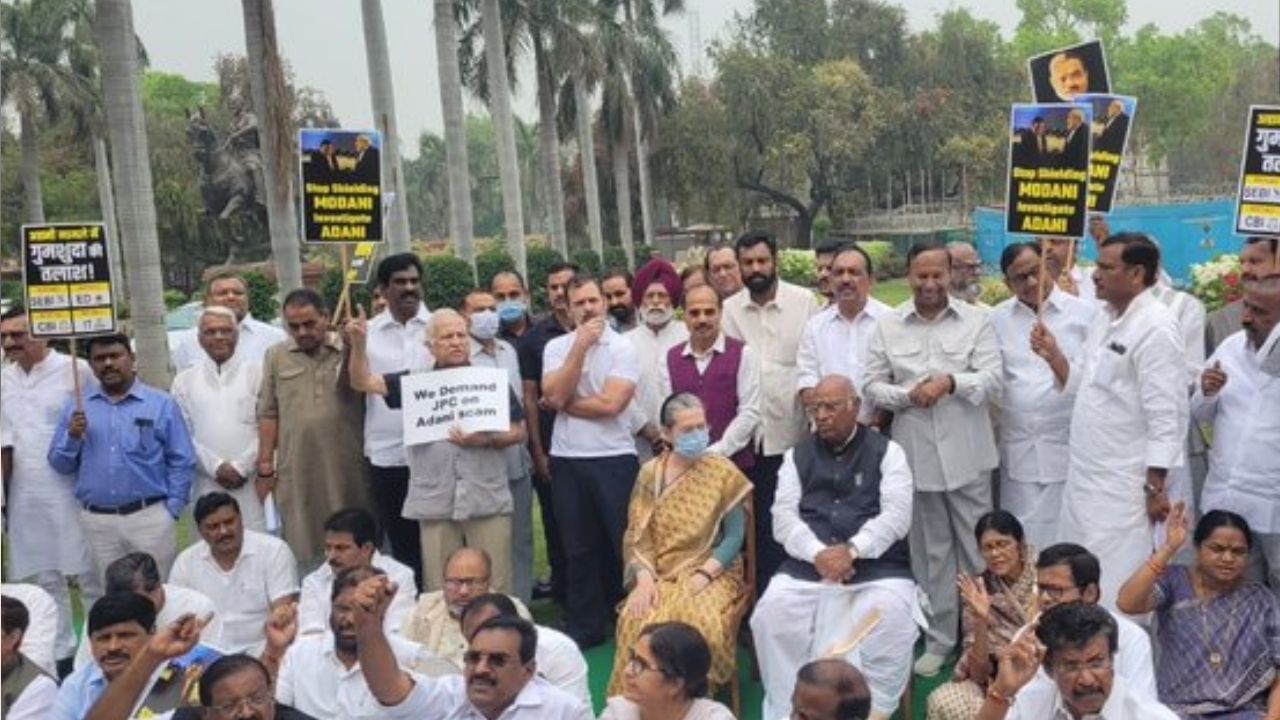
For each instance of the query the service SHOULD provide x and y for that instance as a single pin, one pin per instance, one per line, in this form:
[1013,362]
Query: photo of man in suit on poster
[1112,129]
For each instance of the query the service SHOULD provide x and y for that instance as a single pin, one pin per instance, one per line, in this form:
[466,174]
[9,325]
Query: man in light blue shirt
[119,626]
[132,457]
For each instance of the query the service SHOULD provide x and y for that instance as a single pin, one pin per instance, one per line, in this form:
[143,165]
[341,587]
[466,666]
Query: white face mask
[484,325]
[658,316]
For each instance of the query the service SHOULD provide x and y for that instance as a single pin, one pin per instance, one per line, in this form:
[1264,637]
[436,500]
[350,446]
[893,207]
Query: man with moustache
[721,265]
[966,270]
[823,254]
[394,345]
[1258,257]
[247,574]
[34,387]
[228,290]
[1068,75]
[131,455]
[770,317]
[656,292]
[619,301]
[934,362]
[589,378]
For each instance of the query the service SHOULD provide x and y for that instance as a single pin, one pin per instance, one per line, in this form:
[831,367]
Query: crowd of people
[861,492]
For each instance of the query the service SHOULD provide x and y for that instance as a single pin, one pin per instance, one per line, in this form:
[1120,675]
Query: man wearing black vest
[842,514]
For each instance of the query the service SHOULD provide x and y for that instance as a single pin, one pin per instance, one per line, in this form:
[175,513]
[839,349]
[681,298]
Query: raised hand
[1212,380]
[178,637]
[1177,525]
[282,627]
[357,328]
[1019,663]
[974,592]
[372,597]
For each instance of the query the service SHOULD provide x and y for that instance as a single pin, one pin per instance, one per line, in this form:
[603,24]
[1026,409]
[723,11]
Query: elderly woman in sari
[1218,633]
[684,532]
[997,604]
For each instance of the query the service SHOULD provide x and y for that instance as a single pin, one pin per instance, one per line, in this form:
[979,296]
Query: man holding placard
[458,489]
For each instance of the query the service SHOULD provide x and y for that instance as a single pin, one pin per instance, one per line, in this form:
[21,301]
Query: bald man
[830,689]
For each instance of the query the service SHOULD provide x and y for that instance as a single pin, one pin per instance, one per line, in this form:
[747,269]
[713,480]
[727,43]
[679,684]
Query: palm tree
[455,131]
[126,127]
[587,67]
[504,130]
[384,117]
[267,88]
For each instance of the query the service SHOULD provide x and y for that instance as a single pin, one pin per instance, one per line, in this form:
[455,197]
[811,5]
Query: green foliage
[994,290]
[798,267]
[174,299]
[539,259]
[330,289]
[886,262]
[587,259]
[448,280]
[263,301]
[616,257]
[491,261]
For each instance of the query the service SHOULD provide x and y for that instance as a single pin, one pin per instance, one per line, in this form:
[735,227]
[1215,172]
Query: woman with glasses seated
[665,678]
[685,527]
[996,604]
[1218,634]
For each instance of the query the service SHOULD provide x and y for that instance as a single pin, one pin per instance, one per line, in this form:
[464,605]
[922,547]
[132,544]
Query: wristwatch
[1151,490]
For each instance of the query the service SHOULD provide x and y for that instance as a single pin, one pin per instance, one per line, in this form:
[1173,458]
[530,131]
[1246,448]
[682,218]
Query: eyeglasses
[637,665]
[260,700]
[1072,667]
[466,583]
[814,409]
[1055,593]
[497,661]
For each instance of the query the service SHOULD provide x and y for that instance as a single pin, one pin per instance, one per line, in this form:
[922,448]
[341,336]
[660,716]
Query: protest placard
[1258,198]
[362,261]
[1060,75]
[67,280]
[341,185]
[1048,179]
[1112,118]
[472,398]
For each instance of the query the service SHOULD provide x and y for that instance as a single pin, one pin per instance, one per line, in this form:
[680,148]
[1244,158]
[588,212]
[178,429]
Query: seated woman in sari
[997,604]
[685,527]
[1218,634]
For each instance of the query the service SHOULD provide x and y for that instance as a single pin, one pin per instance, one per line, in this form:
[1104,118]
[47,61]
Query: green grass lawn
[891,292]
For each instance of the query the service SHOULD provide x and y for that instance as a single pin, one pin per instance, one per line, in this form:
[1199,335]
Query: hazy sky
[323,40]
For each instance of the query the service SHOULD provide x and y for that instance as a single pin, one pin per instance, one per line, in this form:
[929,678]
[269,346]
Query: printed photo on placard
[1062,74]
[1258,199]
[341,185]
[67,281]
[1048,180]
[1112,118]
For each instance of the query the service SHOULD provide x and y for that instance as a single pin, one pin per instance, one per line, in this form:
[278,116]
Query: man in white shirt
[721,265]
[500,679]
[589,377]
[29,691]
[218,397]
[1241,402]
[1129,421]
[247,574]
[655,293]
[395,345]
[1035,417]
[770,317]
[934,362]
[835,340]
[721,372]
[229,290]
[1079,645]
[966,269]
[349,543]
[615,285]
[35,385]
[842,513]
[137,573]
[42,627]
[560,662]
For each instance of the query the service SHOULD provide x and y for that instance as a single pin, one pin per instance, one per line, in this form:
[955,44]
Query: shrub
[994,290]
[448,280]
[263,301]
[174,299]
[615,257]
[491,261]
[539,259]
[587,259]
[798,267]
[331,290]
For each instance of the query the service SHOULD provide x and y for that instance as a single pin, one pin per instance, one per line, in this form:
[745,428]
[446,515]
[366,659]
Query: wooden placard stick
[344,299]
[75,376]
[860,633]
[1040,288]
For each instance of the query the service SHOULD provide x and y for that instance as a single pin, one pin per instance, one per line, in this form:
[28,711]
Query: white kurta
[255,338]
[1130,414]
[41,500]
[835,345]
[651,350]
[220,407]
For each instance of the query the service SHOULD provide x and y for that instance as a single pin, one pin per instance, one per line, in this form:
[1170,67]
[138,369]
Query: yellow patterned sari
[671,533]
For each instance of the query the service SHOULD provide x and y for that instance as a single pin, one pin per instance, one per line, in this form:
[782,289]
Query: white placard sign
[473,398]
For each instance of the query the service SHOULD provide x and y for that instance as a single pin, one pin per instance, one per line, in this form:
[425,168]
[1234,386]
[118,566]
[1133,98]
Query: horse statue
[231,179]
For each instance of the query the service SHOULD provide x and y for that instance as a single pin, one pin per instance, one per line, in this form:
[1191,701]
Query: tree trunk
[136,209]
[504,131]
[642,168]
[266,82]
[803,229]
[455,132]
[383,99]
[33,203]
[549,145]
[622,196]
[587,152]
[107,201]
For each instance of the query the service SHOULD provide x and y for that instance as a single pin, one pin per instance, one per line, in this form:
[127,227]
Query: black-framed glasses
[260,700]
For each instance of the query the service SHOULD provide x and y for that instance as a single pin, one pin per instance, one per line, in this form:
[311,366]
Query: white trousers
[797,621]
[1037,507]
[110,537]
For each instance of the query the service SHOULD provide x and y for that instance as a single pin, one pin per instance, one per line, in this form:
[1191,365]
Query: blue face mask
[692,444]
[511,311]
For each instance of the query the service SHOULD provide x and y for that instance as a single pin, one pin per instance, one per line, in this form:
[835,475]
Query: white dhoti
[1036,505]
[1108,516]
[797,621]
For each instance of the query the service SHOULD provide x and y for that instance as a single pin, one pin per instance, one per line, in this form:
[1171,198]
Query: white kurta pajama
[1035,419]
[1190,315]
[219,404]
[1130,414]
[45,540]
[651,352]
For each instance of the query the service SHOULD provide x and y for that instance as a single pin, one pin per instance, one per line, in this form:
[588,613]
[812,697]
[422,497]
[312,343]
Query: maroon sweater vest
[717,388]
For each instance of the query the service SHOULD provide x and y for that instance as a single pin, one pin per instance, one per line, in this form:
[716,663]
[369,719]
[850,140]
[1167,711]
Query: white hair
[440,315]
[218,311]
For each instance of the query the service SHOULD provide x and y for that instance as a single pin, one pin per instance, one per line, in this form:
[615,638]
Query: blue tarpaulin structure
[1188,233]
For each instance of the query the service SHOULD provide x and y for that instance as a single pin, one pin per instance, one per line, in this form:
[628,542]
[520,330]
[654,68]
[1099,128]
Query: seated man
[1067,573]
[29,691]
[1079,646]
[436,621]
[137,573]
[500,679]
[349,542]
[42,626]
[560,662]
[830,689]
[842,514]
[247,574]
